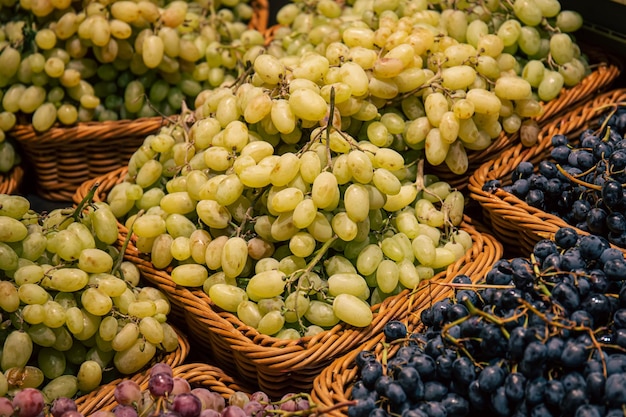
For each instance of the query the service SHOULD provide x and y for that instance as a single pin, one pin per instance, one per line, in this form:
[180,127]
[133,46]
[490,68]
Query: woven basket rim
[11,181]
[507,206]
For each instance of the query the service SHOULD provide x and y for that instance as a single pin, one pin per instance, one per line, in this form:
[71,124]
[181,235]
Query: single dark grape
[574,355]
[394,330]
[364,357]
[455,405]
[500,402]
[554,392]
[566,237]
[434,391]
[535,198]
[160,384]
[463,370]
[370,372]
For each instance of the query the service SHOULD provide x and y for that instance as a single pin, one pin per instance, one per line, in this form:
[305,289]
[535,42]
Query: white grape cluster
[470,69]
[114,60]
[73,310]
[292,230]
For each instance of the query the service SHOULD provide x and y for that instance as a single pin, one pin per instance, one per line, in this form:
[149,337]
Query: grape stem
[312,263]
[86,200]
[120,258]
[495,320]
[576,180]
[589,330]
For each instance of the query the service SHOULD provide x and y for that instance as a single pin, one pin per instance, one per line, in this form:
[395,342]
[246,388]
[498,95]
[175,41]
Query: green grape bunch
[292,232]
[472,70]
[74,312]
[67,62]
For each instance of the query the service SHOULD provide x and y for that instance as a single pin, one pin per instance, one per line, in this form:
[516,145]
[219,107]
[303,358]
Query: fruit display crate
[279,366]
[516,224]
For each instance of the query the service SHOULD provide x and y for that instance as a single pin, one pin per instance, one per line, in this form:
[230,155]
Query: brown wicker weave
[197,374]
[281,366]
[62,158]
[11,182]
[518,225]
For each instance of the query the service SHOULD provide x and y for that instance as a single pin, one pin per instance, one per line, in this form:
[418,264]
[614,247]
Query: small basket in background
[516,224]
[11,181]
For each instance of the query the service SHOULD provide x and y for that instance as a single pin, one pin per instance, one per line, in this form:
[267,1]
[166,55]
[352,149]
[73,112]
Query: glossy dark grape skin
[394,330]
[160,384]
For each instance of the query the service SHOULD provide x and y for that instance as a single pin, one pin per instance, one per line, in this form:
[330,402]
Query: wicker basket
[280,366]
[605,72]
[11,182]
[62,158]
[332,388]
[518,225]
[197,374]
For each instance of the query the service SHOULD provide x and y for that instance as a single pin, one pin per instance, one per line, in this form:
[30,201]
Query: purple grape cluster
[171,396]
[582,182]
[543,336]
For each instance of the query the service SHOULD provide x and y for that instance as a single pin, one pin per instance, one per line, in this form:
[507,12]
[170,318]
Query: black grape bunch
[543,336]
[582,181]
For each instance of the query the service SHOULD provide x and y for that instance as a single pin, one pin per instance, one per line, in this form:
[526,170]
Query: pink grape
[72,413]
[127,392]
[260,396]
[125,411]
[233,411]
[288,404]
[181,385]
[210,413]
[161,367]
[254,409]
[210,400]
[6,407]
[102,413]
[28,402]
[61,405]
[187,405]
